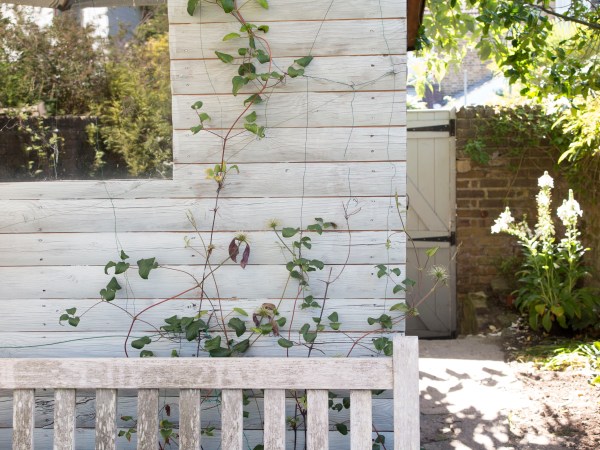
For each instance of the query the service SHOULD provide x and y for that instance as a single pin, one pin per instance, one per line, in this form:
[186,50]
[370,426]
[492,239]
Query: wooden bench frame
[317,375]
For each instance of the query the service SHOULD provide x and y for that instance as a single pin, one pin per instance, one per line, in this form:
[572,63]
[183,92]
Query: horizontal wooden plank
[85,439]
[39,249]
[266,281]
[43,315]
[294,145]
[196,373]
[346,109]
[363,179]
[296,180]
[75,189]
[101,345]
[344,73]
[37,216]
[295,39]
[420,117]
[290,10]
[382,411]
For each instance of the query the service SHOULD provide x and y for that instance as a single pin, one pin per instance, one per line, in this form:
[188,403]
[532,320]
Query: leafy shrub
[135,118]
[552,272]
[124,82]
[60,65]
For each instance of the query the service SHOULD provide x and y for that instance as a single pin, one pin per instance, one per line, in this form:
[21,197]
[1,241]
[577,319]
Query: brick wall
[510,179]
[477,72]
[483,191]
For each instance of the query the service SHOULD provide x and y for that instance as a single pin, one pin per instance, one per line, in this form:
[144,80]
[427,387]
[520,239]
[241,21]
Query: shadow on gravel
[478,403]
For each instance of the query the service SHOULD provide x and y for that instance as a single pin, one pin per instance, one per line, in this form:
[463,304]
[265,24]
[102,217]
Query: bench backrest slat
[23,419]
[64,419]
[232,419]
[361,419]
[147,419]
[106,419]
[274,431]
[317,404]
[189,419]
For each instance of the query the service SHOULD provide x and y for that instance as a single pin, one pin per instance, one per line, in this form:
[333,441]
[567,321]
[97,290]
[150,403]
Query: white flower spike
[502,223]
[569,211]
[546,181]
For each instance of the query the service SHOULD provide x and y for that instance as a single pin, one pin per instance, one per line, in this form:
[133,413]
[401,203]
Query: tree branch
[595,26]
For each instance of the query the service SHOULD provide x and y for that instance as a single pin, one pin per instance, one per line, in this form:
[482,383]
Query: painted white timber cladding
[335,144]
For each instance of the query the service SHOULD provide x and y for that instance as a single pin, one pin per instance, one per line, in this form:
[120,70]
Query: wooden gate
[431,188]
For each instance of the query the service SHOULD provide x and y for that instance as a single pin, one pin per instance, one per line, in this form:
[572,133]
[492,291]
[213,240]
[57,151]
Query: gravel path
[472,399]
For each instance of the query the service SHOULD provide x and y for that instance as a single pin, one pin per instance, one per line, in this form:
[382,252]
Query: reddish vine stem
[207,265]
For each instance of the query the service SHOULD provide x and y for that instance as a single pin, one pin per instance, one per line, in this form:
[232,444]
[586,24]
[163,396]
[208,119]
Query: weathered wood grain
[288,10]
[64,415]
[108,318]
[127,406]
[343,73]
[189,421]
[361,417]
[73,190]
[97,216]
[85,438]
[406,393]
[323,179]
[106,419]
[296,180]
[318,415]
[295,39]
[293,145]
[265,281]
[36,344]
[275,416]
[147,374]
[39,249]
[232,419]
[147,417]
[294,109]
[23,419]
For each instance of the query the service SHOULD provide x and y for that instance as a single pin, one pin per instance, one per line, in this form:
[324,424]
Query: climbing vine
[212,329]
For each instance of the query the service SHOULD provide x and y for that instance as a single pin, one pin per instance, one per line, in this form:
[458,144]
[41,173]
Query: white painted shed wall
[335,139]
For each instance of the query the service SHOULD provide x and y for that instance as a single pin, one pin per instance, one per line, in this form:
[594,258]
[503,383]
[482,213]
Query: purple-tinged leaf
[245,256]
[234,250]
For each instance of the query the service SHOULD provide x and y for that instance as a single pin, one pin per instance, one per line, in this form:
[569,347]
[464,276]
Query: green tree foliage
[59,65]
[553,55]
[124,82]
[520,36]
[135,118]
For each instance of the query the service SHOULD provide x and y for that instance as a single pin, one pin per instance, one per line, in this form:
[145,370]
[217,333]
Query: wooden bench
[146,375]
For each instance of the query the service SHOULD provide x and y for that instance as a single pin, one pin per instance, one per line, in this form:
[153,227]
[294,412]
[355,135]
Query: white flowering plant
[552,273]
